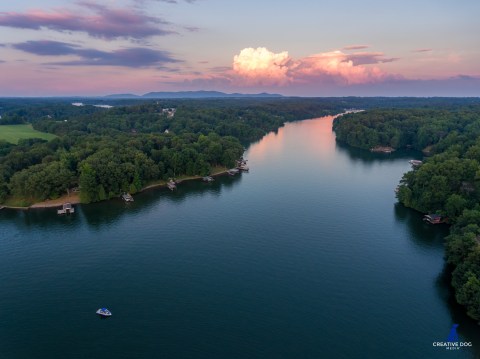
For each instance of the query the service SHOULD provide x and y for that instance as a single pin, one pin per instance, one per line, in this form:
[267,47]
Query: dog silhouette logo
[453,335]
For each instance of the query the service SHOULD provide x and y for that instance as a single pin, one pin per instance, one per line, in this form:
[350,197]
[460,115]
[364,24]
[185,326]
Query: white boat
[104,312]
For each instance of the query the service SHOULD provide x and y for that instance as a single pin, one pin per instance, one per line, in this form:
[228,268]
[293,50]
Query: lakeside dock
[171,185]
[382,149]
[242,165]
[67,208]
[415,163]
[73,197]
[127,197]
[434,219]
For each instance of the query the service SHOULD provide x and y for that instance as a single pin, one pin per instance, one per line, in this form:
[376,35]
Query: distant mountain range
[192,94]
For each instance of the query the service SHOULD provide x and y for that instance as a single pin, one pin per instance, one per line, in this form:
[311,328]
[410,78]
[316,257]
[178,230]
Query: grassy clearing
[18,202]
[13,133]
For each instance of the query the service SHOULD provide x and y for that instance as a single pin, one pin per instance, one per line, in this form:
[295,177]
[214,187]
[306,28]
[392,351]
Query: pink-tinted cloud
[263,67]
[130,57]
[100,21]
[366,58]
[356,47]
[337,68]
[422,50]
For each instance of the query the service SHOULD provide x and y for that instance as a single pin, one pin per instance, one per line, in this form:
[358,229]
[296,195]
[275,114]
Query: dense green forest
[106,151]
[447,183]
[109,150]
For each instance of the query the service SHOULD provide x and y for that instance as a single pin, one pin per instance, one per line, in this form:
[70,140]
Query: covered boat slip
[67,208]
[434,218]
[127,197]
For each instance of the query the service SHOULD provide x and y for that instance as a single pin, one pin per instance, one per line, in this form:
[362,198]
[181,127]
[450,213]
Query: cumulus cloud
[100,21]
[335,67]
[129,57]
[263,67]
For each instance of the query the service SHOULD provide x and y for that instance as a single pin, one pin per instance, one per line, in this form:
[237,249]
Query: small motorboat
[104,312]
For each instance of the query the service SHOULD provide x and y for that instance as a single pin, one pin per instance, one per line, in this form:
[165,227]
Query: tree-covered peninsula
[106,151]
[447,183]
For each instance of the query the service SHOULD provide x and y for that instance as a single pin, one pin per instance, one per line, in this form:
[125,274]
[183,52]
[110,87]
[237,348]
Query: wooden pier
[415,163]
[382,149]
[233,171]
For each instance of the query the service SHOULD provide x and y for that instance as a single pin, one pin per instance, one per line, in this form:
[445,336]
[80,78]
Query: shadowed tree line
[447,183]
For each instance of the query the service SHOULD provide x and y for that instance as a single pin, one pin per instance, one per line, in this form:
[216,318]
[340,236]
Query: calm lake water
[306,256]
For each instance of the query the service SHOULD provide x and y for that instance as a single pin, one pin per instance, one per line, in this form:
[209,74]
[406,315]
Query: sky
[290,47]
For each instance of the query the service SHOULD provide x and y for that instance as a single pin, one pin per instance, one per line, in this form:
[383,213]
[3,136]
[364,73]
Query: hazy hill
[192,94]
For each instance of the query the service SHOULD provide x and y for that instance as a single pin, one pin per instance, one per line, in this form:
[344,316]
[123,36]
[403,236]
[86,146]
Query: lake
[307,256]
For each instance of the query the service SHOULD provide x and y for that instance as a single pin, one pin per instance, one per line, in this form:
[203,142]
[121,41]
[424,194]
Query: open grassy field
[13,133]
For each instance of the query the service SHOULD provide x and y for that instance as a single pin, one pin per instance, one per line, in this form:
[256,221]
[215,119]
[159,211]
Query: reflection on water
[421,233]
[108,212]
[315,137]
[367,157]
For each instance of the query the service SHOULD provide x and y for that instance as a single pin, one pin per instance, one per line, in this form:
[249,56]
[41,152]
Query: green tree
[88,184]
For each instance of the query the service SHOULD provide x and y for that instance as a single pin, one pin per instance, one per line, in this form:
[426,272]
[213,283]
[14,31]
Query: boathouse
[434,218]
[415,163]
[127,197]
[171,185]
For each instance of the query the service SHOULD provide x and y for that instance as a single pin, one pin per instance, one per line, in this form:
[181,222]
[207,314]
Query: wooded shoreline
[75,198]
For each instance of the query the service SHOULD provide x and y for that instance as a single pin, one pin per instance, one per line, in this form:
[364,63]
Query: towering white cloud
[262,66]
